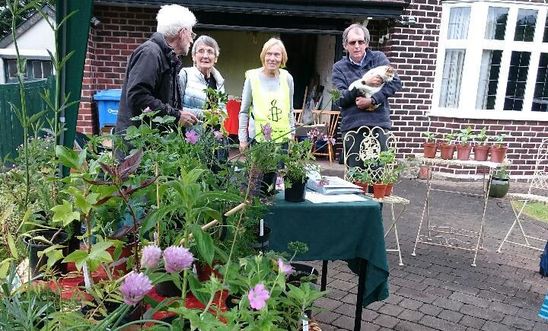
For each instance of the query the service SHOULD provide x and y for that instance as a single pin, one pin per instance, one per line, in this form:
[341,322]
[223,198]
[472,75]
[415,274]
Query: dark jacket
[344,74]
[151,81]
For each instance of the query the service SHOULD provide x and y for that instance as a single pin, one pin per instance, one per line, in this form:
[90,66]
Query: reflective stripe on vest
[270,106]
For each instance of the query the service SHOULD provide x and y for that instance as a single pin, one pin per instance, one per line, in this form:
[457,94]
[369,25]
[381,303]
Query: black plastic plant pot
[35,246]
[296,192]
[268,183]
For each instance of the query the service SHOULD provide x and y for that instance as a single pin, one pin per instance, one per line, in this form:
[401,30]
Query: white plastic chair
[369,149]
[537,192]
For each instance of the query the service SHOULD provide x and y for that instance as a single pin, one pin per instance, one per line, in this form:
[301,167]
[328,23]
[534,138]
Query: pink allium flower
[177,258]
[135,287]
[267,131]
[257,296]
[151,256]
[286,268]
[191,137]
[218,135]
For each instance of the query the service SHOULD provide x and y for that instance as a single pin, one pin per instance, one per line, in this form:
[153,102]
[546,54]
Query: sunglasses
[359,42]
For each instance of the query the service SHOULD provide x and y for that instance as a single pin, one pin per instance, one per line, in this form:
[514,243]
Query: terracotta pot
[447,151]
[363,186]
[379,190]
[481,152]
[463,152]
[388,190]
[498,154]
[430,149]
[424,172]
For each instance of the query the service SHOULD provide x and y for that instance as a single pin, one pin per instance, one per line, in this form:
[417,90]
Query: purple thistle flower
[257,296]
[267,131]
[286,268]
[151,256]
[177,258]
[135,287]
[191,137]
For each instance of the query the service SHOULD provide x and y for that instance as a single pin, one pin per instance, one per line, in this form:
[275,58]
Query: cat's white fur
[366,90]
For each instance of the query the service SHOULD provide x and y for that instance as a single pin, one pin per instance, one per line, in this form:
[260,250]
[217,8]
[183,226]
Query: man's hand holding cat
[364,103]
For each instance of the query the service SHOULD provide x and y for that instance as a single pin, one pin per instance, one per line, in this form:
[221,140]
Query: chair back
[539,181]
[328,117]
[367,151]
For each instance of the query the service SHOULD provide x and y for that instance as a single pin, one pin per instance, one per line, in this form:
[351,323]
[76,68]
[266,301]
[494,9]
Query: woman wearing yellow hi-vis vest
[267,98]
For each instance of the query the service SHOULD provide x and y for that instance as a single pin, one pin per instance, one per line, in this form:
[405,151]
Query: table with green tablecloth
[350,231]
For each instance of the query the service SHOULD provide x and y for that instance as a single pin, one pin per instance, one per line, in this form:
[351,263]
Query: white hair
[172,18]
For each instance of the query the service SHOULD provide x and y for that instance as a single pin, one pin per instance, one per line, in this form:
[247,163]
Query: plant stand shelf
[449,236]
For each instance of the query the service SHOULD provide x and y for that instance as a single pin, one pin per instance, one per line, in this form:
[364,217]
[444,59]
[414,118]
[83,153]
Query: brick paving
[438,289]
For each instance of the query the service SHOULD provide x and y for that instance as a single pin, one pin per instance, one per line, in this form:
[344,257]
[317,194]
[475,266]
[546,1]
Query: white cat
[386,72]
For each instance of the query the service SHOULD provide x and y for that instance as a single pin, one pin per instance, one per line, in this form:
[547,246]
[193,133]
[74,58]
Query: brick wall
[109,46]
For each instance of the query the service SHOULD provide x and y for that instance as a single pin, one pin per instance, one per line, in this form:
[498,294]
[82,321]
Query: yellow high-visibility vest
[271,107]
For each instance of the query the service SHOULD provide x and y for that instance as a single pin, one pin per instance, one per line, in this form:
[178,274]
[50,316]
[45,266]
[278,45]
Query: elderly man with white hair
[151,82]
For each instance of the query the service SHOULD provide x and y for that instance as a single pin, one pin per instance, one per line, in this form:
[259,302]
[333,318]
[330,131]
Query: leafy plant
[298,162]
[465,135]
[501,173]
[448,138]
[359,175]
[499,139]
[429,136]
[482,136]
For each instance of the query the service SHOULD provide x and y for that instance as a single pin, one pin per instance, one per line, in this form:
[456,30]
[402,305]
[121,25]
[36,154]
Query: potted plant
[430,147]
[481,149]
[463,147]
[498,150]
[447,148]
[360,177]
[382,172]
[298,162]
[499,183]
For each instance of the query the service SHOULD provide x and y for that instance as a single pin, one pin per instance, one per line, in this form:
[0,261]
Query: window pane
[540,98]
[12,69]
[452,77]
[47,68]
[496,23]
[525,26]
[36,70]
[459,19]
[489,77]
[517,78]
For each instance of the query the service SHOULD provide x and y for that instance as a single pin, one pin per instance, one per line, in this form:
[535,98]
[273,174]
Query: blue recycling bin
[108,103]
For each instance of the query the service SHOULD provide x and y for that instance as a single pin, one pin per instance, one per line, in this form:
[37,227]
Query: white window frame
[474,46]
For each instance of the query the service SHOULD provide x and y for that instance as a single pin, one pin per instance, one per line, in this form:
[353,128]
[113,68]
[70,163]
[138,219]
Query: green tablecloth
[334,231]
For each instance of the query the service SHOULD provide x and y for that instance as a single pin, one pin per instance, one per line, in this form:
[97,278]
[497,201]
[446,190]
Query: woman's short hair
[268,45]
[172,18]
[208,41]
[358,26]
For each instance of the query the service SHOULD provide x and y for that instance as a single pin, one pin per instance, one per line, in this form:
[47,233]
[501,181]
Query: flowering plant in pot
[297,163]
[447,147]
[498,150]
[464,147]
[481,149]
[430,146]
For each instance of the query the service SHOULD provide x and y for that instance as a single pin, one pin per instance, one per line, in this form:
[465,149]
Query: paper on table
[315,197]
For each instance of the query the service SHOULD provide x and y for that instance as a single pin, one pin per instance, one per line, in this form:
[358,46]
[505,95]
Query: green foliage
[360,175]
[429,136]
[499,139]
[448,138]
[465,135]
[482,136]
[501,173]
[298,162]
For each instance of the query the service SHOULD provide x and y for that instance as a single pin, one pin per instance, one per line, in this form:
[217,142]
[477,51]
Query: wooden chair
[537,192]
[331,119]
[298,113]
[369,149]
